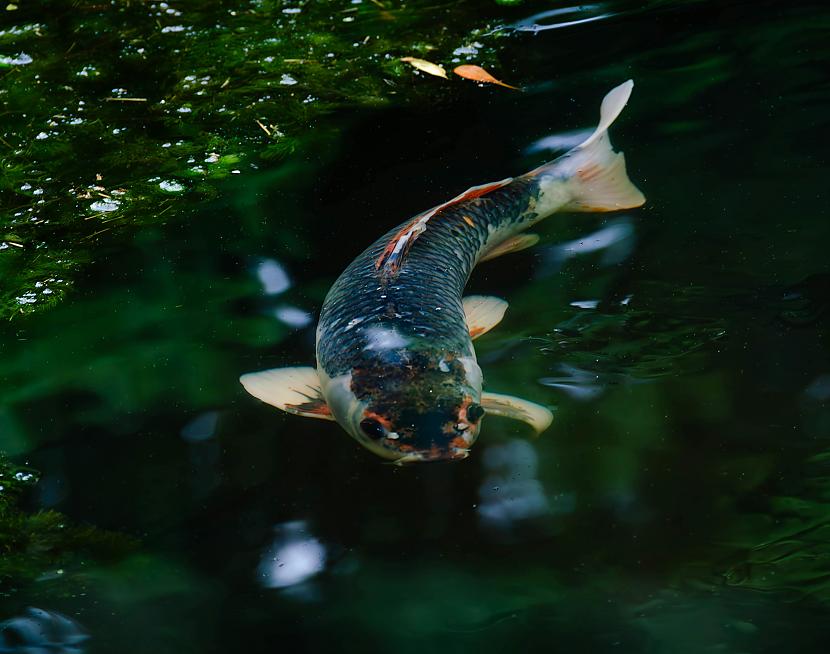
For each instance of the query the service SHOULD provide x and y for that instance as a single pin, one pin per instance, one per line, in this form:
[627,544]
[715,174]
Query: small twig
[126,99]
[225,83]
[263,127]
[100,231]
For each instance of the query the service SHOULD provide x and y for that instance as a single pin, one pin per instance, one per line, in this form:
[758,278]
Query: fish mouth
[429,456]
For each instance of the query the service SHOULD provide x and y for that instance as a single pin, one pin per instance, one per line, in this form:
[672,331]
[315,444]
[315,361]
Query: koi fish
[396,365]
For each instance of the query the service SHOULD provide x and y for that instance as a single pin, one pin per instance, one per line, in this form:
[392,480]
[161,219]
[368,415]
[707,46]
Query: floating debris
[426,66]
[478,74]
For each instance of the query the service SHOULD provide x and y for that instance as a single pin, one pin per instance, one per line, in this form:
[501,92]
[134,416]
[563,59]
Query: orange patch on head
[387,425]
[460,443]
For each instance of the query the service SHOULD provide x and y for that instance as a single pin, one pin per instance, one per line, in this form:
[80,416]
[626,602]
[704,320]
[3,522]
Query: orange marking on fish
[469,221]
[398,247]
[318,408]
[587,174]
[390,248]
[477,331]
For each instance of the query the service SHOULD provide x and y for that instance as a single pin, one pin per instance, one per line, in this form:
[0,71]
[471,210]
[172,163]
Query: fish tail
[595,174]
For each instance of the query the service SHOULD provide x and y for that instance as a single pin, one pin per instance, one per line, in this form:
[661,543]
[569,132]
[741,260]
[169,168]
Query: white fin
[599,181]
[508,406]
[513,244]
[483,312]
[295,390]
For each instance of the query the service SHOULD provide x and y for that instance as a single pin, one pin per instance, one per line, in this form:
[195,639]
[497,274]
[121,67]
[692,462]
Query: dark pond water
[680,503]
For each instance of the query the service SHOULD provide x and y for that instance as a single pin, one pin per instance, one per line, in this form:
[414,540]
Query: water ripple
[542,22]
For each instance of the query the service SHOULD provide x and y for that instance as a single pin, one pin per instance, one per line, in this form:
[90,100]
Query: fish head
[422,407]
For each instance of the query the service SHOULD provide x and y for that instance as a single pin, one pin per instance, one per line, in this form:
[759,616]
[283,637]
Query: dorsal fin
[395,252]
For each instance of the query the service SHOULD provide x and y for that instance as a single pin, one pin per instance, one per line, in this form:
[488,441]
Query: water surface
[677,504]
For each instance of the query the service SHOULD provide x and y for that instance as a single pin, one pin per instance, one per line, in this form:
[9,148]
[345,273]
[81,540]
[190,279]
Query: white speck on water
[585,304]
[166,145]
[87,71]
[27,298]
[41,136]
[20,60]
[236,171]
[287,80]
[213,157]
[173,28]
[348,19]
[105,205]
[25,187]
[467,50]
[292,10]
[184,110]
[171,186]
[37,191]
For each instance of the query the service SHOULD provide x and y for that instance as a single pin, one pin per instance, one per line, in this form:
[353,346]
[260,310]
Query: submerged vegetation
[44,545]
[112,112]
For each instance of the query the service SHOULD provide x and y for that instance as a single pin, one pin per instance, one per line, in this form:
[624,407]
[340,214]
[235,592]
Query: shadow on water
[677,504]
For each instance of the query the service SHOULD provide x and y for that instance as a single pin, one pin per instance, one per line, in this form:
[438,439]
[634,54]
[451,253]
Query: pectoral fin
[513,244]
[483,312]
[295,390]
[508,406]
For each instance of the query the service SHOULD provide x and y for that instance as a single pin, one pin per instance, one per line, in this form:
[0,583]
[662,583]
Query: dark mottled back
[368,309]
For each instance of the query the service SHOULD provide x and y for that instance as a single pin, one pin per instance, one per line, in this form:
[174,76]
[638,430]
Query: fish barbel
[396,365]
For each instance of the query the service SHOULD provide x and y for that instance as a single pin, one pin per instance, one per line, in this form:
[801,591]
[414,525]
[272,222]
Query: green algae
[106,108]
[44,545]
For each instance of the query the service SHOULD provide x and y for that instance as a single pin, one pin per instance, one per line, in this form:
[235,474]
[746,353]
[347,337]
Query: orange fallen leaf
[478,74]
[426,66]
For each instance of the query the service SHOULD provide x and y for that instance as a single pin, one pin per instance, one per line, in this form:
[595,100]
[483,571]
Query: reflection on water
[553,19]
[677,505]
[41,632]
[510,492]
[557,143]
[273,276]
[616,241]
[294,556]
[576,383]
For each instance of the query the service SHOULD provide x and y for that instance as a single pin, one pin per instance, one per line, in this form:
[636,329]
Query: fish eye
[372,428]
[475,412]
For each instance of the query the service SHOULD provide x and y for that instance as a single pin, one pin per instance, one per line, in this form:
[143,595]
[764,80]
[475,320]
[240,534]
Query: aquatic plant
[153,101]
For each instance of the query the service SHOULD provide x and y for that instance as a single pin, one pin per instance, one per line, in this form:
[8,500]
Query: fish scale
[422,301]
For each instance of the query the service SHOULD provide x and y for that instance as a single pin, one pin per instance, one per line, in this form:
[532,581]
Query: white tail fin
[599,181]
